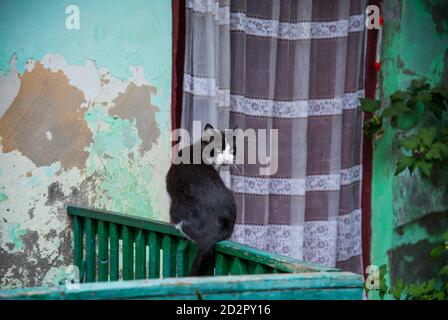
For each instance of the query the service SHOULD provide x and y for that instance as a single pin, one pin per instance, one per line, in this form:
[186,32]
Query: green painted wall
[408,214]
[85,118]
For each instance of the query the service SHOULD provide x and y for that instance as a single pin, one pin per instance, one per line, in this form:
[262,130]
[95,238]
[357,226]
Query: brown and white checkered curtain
[295,66]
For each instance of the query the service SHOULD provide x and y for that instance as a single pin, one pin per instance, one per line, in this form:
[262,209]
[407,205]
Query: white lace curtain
[295,66]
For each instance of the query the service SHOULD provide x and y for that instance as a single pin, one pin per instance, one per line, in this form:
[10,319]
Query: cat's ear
[235,127]
[208,126]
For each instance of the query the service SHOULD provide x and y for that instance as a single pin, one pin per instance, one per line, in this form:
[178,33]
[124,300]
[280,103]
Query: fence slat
[114,251]
[238,267]
[192,248]
[140,255]
[169,257]
[259,269]
[221,265]
[78,245]
[90,250]
[182,258]
[128,253]
[154,255]
[103,253]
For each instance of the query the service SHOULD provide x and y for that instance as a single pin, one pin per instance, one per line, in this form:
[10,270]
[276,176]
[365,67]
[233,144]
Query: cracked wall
[409,214]
[84,120]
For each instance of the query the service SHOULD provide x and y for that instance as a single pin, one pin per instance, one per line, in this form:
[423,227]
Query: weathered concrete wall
[84,119]
[409,214]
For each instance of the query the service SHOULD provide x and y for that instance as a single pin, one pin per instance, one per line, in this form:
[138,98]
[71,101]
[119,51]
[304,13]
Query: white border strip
[295,31]
[295,186]
[199,86]
[266,186]
[295,108]
[350,175]
[323,242]
[221,14]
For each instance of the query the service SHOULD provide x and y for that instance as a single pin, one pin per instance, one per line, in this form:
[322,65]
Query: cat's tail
[203,261]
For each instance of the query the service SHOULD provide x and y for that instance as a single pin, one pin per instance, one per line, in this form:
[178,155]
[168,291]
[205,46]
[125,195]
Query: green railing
[152,256]
[154,249]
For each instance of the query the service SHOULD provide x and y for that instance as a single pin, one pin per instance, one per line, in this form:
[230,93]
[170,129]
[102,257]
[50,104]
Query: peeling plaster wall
[408,213]
[84,119]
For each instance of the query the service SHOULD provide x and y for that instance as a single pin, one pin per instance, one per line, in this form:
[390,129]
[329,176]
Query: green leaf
[431,284]
[412,103]
[383,285]
[425,167]
[433,154]
[444,271]
[383,288]
[396,109]
[370,105]
[372,126]
[383,270]
[442,148]
[419,84]
[390,112]
[403,163]
[398,96]
[411,143]
[198,295]
[398,289]
[423,96]
[445,236]
[440,295]
[427,135]
[412,168]
[437,251]
[379,133]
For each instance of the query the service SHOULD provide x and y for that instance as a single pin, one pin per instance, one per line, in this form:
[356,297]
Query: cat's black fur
[202,205]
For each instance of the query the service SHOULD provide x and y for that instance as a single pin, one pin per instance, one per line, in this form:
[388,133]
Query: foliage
[424,145]
[434,289]
[199,295]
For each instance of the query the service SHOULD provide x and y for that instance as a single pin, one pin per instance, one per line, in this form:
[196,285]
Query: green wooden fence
[112,246]
[154,249]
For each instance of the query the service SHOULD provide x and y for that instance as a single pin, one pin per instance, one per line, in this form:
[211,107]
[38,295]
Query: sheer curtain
[295,66]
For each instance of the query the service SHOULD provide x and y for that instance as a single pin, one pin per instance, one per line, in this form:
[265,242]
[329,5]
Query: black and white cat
[202,207]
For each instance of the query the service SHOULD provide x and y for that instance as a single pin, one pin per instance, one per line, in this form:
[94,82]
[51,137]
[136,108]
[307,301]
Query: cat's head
[218,147]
